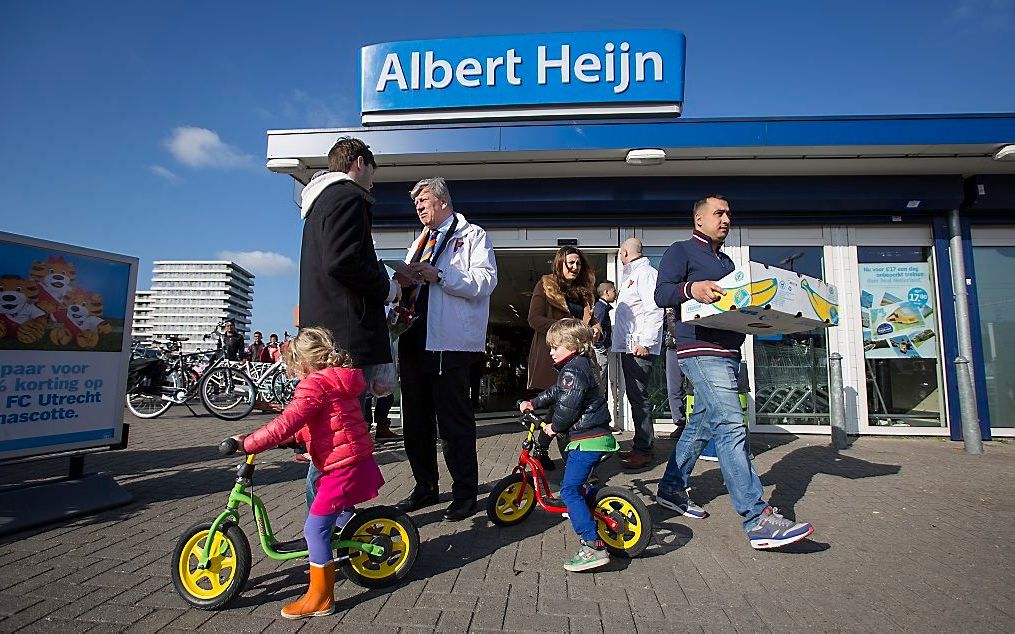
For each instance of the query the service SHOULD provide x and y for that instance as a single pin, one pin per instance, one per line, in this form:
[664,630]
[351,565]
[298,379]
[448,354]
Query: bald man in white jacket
[637,337]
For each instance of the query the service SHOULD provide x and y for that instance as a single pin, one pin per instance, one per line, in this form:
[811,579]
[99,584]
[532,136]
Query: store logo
[524,76]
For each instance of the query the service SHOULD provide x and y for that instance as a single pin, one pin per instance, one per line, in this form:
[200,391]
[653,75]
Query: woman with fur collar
[568,291]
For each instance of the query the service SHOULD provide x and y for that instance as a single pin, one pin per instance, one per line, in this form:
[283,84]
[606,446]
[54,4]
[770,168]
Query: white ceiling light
[646,156]
[285,165]
[1007,153]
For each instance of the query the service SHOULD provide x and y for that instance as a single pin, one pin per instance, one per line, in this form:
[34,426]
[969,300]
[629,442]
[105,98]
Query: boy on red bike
[579,410]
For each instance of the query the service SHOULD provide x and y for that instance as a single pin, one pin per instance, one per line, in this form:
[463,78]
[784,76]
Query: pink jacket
[325,414]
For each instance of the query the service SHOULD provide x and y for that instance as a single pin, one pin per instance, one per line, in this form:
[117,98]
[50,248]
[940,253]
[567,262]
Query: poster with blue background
[64,346]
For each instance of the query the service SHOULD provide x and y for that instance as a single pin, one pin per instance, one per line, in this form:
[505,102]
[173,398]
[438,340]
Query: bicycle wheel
[282,388]
[385,527]
[228,567]
[147,405]
[503,506]
[228,393]
[635,530]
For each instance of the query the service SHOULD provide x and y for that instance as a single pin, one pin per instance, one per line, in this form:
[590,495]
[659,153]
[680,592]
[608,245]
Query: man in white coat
[451,275]
[637,336]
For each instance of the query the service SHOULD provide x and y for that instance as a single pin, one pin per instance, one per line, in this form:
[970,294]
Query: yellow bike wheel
[504,507]
[386,527]
[228,567]
[634,533]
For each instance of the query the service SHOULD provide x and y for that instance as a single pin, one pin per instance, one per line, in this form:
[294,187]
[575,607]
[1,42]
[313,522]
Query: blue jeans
[576,472]
[717,415]
[313,475]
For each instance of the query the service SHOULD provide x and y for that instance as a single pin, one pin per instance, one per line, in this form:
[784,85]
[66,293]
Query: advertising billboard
[65,321]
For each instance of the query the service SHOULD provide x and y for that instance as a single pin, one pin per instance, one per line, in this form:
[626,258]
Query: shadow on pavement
[793,473]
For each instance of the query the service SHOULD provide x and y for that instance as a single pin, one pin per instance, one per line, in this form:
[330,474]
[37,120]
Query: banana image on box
[762,299]
[826,310]
[754,294]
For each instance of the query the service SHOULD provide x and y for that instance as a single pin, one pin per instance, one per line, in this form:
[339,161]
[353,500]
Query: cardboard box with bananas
[763,299]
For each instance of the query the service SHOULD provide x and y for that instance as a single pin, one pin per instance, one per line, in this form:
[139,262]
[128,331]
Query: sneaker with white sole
[681,504]
[590,555]
[775,531]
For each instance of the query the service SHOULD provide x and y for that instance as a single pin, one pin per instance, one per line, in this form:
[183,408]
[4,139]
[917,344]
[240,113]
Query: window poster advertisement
[64,345]
[897,311]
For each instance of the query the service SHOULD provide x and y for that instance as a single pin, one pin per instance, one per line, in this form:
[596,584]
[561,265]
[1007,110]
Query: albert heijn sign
[592,74]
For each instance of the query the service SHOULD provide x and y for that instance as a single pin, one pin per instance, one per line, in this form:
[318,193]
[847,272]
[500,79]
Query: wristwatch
[440,276]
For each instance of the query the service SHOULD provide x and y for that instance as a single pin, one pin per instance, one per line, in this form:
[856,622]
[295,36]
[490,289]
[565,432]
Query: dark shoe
[384,432]
[421,497]
[637,460]
[544,459]
[460,510]
[625,454]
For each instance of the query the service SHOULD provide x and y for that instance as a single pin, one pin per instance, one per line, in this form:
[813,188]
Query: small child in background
[580,411]
[325,415]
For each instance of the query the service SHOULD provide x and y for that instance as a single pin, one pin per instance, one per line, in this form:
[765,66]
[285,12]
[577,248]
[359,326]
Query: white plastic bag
[384,379]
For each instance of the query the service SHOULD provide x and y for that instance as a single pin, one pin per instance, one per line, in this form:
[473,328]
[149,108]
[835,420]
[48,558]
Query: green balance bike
[211,561]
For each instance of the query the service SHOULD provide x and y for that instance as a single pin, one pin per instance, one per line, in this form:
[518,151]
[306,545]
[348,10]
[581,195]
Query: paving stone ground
[912,534]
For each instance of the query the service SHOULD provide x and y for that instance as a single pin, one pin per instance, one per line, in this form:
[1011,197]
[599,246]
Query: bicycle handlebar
[228,447]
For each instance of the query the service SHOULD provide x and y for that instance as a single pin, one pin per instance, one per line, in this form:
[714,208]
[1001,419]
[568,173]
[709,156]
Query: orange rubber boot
[320,597]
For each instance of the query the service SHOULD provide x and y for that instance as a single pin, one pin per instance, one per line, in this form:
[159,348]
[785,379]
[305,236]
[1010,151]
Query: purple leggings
[317,531]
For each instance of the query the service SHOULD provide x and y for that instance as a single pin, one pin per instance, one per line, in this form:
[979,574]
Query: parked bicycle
[273,384]
[174,378]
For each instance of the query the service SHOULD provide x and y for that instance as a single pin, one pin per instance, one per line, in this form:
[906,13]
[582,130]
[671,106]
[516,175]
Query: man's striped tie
[431,243]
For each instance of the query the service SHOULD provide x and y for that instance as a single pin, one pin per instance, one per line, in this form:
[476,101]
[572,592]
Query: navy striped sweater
[694,261]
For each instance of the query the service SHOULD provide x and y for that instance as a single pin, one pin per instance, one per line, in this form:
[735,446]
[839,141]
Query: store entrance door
[509,336]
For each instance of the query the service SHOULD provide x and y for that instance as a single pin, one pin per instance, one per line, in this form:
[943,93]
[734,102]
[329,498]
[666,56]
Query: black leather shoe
[421,497]
[460,509]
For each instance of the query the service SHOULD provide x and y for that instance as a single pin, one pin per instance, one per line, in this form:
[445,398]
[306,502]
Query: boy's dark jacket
[579,401]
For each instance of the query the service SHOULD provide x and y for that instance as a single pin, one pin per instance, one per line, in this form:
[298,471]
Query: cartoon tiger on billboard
[55,277]
[20,318]
[75,315]
[79,319]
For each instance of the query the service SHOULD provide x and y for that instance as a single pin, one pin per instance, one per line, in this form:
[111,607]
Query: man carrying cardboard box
[710,359]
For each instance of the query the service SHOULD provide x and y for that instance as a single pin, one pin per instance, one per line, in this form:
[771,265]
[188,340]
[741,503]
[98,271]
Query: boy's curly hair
[572,334]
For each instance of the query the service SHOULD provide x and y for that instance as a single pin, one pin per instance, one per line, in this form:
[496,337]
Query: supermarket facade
[870,204]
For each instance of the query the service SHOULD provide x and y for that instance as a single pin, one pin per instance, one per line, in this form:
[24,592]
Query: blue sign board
[602,73]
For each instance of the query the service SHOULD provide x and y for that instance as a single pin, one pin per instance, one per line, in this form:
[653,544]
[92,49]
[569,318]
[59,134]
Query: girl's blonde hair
[314,349]
[572,334]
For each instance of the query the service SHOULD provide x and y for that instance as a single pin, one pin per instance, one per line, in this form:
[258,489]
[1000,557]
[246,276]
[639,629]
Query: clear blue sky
[93,95]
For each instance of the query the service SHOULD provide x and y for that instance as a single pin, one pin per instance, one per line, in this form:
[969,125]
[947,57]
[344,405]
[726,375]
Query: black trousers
[440,400]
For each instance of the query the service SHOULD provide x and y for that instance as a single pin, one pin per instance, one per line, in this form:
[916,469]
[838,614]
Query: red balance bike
[622,519]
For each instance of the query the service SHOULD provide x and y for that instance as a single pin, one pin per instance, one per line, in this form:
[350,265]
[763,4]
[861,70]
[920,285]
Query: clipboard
[398,266]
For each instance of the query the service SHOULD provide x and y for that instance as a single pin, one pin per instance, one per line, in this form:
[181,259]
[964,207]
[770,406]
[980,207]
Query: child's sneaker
[775,531]
[681,504]
[590,555]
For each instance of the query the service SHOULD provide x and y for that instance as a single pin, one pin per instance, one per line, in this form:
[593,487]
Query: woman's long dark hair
[583,287]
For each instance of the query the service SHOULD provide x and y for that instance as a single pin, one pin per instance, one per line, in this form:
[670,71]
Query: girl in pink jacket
[325,414]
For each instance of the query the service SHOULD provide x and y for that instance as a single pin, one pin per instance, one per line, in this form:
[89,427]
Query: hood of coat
[318,184]
[342,382]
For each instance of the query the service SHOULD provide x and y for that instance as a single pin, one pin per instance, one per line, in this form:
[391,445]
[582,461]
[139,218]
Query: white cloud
[201,147]
[992,16]
[158,170]
[260,262]
[304,109]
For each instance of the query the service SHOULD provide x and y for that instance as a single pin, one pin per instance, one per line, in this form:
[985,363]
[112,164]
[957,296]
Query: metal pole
[958,263]
[967,401]
[837,402]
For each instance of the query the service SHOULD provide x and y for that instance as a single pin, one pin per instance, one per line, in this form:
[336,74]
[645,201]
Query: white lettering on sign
[613,66]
